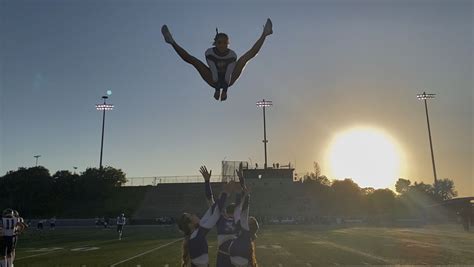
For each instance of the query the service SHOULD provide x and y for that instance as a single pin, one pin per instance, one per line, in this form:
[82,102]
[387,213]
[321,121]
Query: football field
[289,245]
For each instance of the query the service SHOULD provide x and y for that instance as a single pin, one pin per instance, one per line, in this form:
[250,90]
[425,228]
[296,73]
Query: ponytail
[253,229]
[253,257]
[219,35]
[183,225]
[185,259]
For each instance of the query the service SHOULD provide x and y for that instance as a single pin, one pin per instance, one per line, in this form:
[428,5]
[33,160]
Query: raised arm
[207,185]
[244,215]
[214,211]
[238,197]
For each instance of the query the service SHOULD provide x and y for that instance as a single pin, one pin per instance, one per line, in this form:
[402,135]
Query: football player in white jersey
[20,228]
[121,221]
[224,68]
[9,227]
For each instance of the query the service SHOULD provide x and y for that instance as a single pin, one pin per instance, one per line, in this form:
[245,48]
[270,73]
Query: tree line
[35,192]
[346,199]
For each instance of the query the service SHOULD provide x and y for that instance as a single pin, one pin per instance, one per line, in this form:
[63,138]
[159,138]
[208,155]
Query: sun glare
[367,155]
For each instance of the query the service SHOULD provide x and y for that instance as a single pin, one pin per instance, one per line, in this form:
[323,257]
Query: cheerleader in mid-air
[224,68]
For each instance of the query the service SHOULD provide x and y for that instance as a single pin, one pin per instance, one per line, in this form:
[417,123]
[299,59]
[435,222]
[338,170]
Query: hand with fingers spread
[205,173]
[240,174]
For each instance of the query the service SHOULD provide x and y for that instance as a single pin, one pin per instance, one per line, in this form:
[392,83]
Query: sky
[329,66]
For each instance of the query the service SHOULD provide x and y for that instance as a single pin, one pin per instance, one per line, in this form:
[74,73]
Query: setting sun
[367,155]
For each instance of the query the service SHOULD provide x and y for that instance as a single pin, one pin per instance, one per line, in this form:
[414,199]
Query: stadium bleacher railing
[154,181]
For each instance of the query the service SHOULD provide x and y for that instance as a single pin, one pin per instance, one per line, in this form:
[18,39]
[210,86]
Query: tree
[422,188]
[381,201]
[347,197]
[316,176]
[445,189]
[367,191]
[108,175]
[65,184]
[317,169]
[27,189]
[402,186]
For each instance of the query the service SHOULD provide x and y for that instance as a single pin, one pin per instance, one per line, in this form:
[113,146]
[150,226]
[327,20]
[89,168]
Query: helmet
[7,212]
[16,213]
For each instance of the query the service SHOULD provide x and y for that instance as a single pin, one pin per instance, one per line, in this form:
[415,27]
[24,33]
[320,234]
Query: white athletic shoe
[267,29]
[166,33]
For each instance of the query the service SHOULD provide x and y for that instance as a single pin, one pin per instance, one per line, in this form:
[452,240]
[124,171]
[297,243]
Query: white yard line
[355,251]
[144,253]
[36,255]
[426,244]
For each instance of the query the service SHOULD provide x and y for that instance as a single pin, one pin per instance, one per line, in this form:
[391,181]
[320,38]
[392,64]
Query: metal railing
[143,181]
[156,180]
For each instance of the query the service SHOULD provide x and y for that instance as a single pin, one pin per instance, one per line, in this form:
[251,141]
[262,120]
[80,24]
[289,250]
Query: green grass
[276,246]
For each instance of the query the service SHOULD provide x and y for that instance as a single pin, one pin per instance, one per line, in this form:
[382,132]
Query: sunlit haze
[368,156]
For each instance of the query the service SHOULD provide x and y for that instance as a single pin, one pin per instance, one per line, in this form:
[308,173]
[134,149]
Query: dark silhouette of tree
[317,169]
[367,191]
[316,176]
[108,176]
[95,191]
[445,189]
[422,188]
[402,186]
[347,197]
[24,186]
[381,201]
[65,185]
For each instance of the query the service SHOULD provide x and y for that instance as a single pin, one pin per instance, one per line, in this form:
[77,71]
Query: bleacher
[269,198]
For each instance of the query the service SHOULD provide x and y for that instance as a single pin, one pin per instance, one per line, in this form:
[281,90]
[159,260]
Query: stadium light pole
[263,104]
[103,107]
[37,156]
[424,96]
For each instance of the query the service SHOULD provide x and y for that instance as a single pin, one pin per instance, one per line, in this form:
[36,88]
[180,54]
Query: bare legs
[203,70]
[242,61]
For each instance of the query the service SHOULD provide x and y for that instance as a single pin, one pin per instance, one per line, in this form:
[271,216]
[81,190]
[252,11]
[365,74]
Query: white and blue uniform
[226,228]
[18,229]
[121,220]
[239,248]
[221,66]
[198,248]
[9,229]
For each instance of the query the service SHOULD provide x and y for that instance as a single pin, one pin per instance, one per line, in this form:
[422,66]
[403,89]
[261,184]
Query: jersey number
[9,225]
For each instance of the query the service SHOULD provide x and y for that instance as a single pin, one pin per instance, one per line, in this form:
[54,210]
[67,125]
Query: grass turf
[290,245]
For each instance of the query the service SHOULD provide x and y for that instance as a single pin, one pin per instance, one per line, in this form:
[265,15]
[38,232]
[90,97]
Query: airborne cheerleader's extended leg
[242,61]
[203,70]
